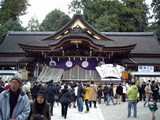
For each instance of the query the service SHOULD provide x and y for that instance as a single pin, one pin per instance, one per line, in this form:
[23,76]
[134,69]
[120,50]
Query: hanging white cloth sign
[109,70]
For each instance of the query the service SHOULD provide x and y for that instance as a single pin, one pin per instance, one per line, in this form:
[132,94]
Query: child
[152,106]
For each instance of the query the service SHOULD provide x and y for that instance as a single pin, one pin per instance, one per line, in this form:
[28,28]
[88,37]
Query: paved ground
[103,112]
[73,114]
[119,112]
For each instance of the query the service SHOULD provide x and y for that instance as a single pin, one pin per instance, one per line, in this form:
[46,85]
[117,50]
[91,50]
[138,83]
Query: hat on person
[40,93]
[18,79]
[92,82]
[65,86]
[133,83]
[151,97]
[112,84]
[51,81]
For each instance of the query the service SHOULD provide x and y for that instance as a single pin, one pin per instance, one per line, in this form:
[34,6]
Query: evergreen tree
[134,16]
[156,14]
[12,9]
[54,21]
[124,15]
[109,19]
[93,9]
[9,26]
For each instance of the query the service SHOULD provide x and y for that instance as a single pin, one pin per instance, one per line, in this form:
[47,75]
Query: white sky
[40,8]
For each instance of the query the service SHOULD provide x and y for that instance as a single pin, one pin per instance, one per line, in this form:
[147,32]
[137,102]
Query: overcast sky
[40,8]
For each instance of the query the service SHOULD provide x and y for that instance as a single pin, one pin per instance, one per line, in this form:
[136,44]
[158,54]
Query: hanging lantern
[85,64]
[52,63]
[69,63]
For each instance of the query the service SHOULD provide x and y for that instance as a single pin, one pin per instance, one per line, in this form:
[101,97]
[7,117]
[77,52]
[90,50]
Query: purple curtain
[67,63]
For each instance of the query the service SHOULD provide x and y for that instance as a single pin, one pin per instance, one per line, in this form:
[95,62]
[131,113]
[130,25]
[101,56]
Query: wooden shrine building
[74,52]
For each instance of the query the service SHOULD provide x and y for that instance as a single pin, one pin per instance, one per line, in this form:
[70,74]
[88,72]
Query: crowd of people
[21,100]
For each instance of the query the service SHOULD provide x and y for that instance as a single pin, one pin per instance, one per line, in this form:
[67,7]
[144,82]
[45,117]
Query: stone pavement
[73,114]
[119,112]
[103,112]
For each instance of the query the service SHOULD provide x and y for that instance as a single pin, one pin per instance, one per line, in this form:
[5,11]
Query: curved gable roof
[77,20]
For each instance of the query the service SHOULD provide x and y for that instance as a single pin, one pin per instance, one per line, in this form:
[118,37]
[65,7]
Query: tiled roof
[11,41]
[146,60]
[11,59]
[142,60]
[147,42]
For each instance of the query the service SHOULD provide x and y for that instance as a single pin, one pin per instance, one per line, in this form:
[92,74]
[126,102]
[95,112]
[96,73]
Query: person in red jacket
[7,86]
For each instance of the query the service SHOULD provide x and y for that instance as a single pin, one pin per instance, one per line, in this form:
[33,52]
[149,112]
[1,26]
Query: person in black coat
[57,89]
[65,100]
[50,95]
[73,98]
[119,92]
[99,92]
[34,90]
[142,91]
[105,91]
[110,94]
[80,95]
[155,89]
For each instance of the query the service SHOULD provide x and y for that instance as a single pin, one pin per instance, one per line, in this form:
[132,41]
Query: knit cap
[18,79]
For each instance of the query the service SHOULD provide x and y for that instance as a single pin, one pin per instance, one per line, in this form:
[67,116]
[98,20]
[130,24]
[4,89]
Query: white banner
[108,70]
[145,68]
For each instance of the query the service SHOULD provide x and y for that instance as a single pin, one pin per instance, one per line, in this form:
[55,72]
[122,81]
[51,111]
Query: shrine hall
[78,52]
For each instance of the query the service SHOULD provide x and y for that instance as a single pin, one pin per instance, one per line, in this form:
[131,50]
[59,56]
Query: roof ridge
[128,33]
[26,32]
[105,33]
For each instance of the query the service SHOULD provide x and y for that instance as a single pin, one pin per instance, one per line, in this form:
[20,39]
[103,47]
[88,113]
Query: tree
[156,14]
[124,15]
[12,9]
[134,16]
[54,21]
[109,19]
[33,25]
[76,6]
[104,24]
[9,26]
[103,15]
[93,9]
